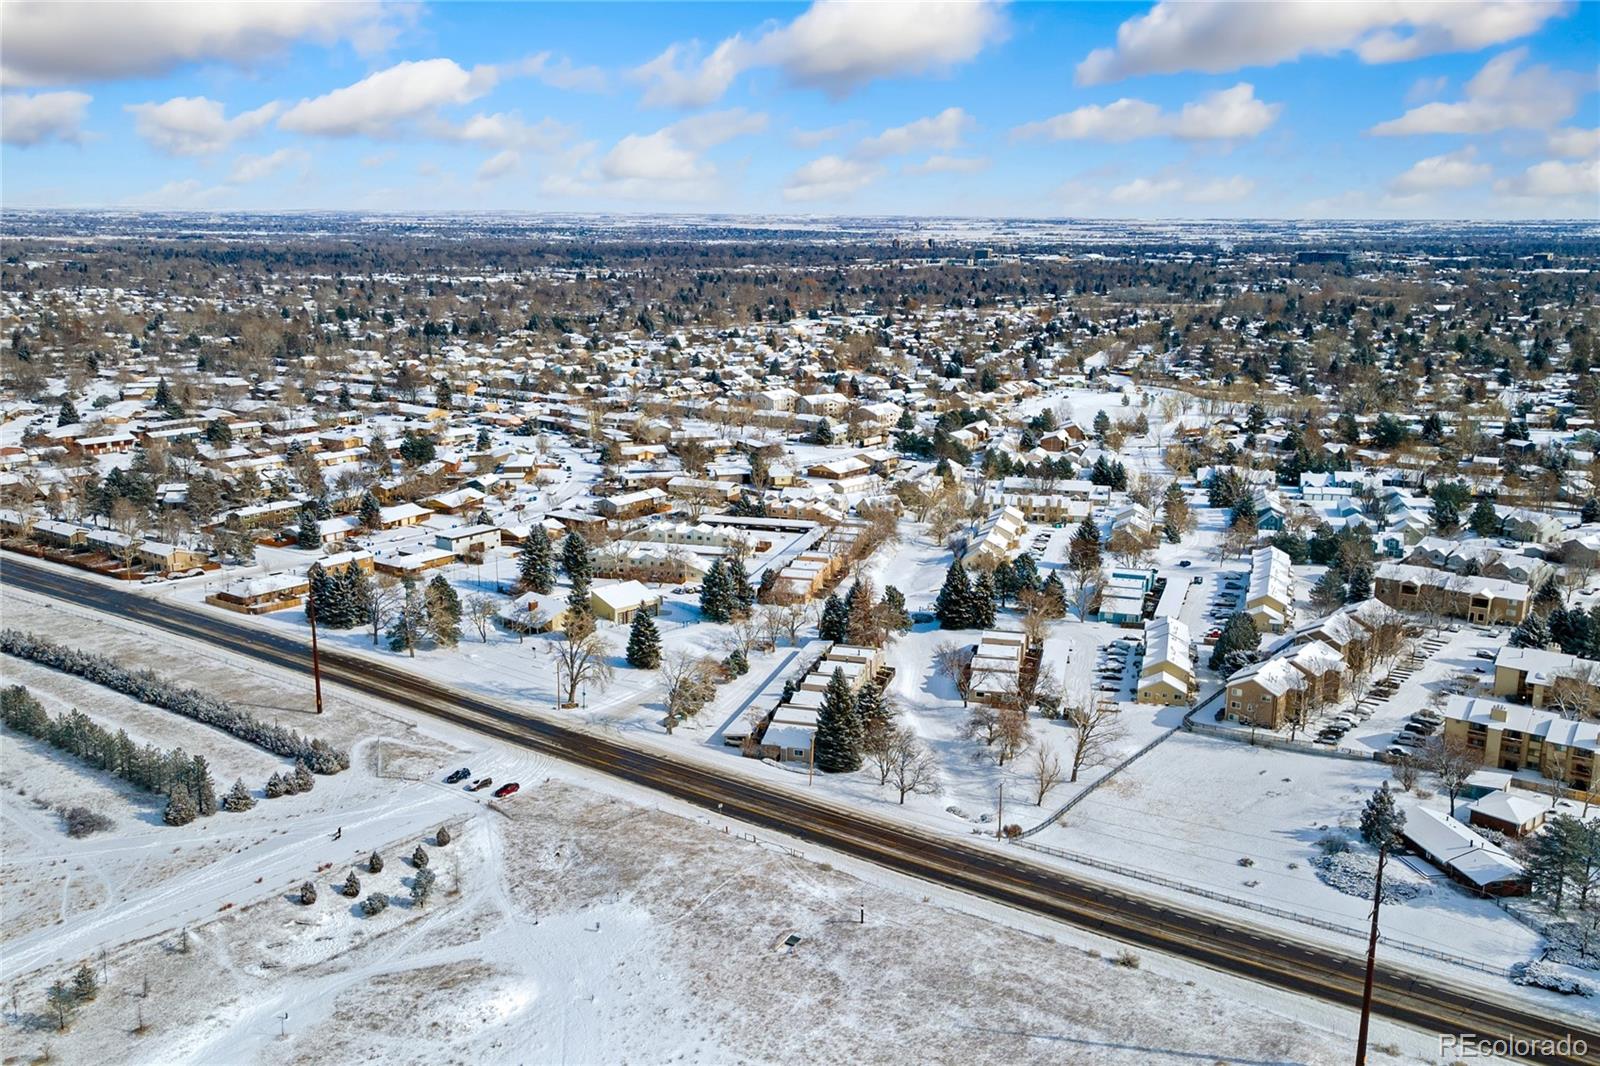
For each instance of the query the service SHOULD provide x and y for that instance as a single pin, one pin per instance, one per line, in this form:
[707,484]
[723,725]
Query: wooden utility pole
[811,760]
[1000,813]
[1372,961]
[316,661]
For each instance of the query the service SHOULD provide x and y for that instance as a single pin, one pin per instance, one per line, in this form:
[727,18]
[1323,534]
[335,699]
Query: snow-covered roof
[1451,844]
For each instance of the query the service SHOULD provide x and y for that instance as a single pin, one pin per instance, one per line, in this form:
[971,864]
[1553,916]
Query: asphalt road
[1426,1002]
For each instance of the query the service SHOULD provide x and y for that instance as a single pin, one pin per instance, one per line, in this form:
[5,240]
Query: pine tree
[576,562]
[1591,511]
[303,780]
[275,786]
[205,789]
[1534,632]
[871,713]
[536,562]
[163,396]
[309,533]
[410,621]
[238,798]
[893,606]
[736,664]
[1381,820]
[835,622]
[1328,592]
[1483,519]
[354,598]
[441,836]
[422,887]
[1084,551]
[716,601]
[84,986]
[180,806]
[67,414]
[644,643]
[953,607]
[319,601]
[1055,594]
[738,582]
[838,737]
[352,886]
[375,863]
[1024,574]
[983,602]
[376,903]
[1358,583]
[419,858]
[444,612]
[370,512]
[1239,633]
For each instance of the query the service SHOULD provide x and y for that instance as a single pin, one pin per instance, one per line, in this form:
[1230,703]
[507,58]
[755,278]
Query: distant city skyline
[1475,110]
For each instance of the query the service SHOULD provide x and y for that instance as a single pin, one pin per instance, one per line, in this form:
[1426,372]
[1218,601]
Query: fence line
[1277,912]
[1263,739]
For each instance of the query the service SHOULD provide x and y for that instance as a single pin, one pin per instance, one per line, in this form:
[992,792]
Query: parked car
[1485,653]
[506,790]
[460,775]
[1409,740]
[1185,562]
[480,785]
[1394,751]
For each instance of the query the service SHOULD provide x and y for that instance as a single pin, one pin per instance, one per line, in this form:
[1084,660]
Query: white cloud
[1174,188]
[376,105]
[1217,36]
[717,127]
[48,42]
[1556,180]
[559,73]
[1498,97]
[948,164]
[35,118]
[1228,114]
[835,46]
[251,168]
[1453,170]
[503,130]
[499,165]
[942,131]
[818,137]
[830,177]
[668,164]
[195,125]
[1575,143]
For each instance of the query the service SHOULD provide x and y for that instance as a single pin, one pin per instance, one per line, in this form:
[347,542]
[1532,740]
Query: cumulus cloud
[1228,114]
[1453,170]
[818,137]
[948,164]
[835,46]
[49,42]
[1217,36]
[830,177]
[251,168]
[559,73]
[378,104]
[668,164]
[942,131]
[28,119]
[1173,188]
[1555,180]
[1575,143]
[195,125]
[504,130]
[1499,97]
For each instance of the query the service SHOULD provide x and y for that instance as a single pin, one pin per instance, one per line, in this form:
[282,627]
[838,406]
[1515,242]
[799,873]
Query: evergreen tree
[84,987]
[1083,553]
[352,886]
[1483,520]
[308,893]
[871,712]
[644,643]
[1381,820]
[374,904]
[1591,511]
[1446,516]
[1025,573]
[738,581]
[838,737]
[410,621]
[163,396]
[822,433]
[370,512]
[1055,593]
[444,612]
[180,806]
[238,798]
[716,599]
[205,789]
[308,534]
[375,863]
[983,602]
[1534,632]
[576,562]
[303,780]
[355,597]
[1547,597]
[1328,592]
[954,607]
[893,605]
[67,414]
[419,858]
[422,887]
[1358,583]
[441,836]
[275,786]
[835,622]
[536,562]
[1239,634]
[320,599]
[736,664]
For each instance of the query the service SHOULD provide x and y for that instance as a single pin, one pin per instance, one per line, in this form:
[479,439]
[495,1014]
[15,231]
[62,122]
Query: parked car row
[482,783]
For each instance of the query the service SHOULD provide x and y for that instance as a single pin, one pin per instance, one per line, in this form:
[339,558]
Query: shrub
[376,903]
[81,821]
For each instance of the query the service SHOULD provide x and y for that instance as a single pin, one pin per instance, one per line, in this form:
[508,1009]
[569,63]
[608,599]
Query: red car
[506,790]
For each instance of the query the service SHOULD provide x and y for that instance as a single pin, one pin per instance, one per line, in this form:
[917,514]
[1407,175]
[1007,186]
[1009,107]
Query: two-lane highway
[1428,1002]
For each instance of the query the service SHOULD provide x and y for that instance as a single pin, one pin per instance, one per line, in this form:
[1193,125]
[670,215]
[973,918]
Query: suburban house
[1269,601]
[260,595]
[1502,812]
[633,504]
[1476,599]
[1167,675]
[996,668]
[620,602]
[1465,856]
[463,539]
[1509,737]
[998,538]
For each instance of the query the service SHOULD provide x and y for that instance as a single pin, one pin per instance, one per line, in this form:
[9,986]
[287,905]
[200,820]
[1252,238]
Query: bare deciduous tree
[1096,729]
[480,611]
[1046,773]
[1452,762]
[690,683]
[580,661]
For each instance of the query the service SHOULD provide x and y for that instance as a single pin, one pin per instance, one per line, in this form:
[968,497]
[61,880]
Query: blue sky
[1401,109]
